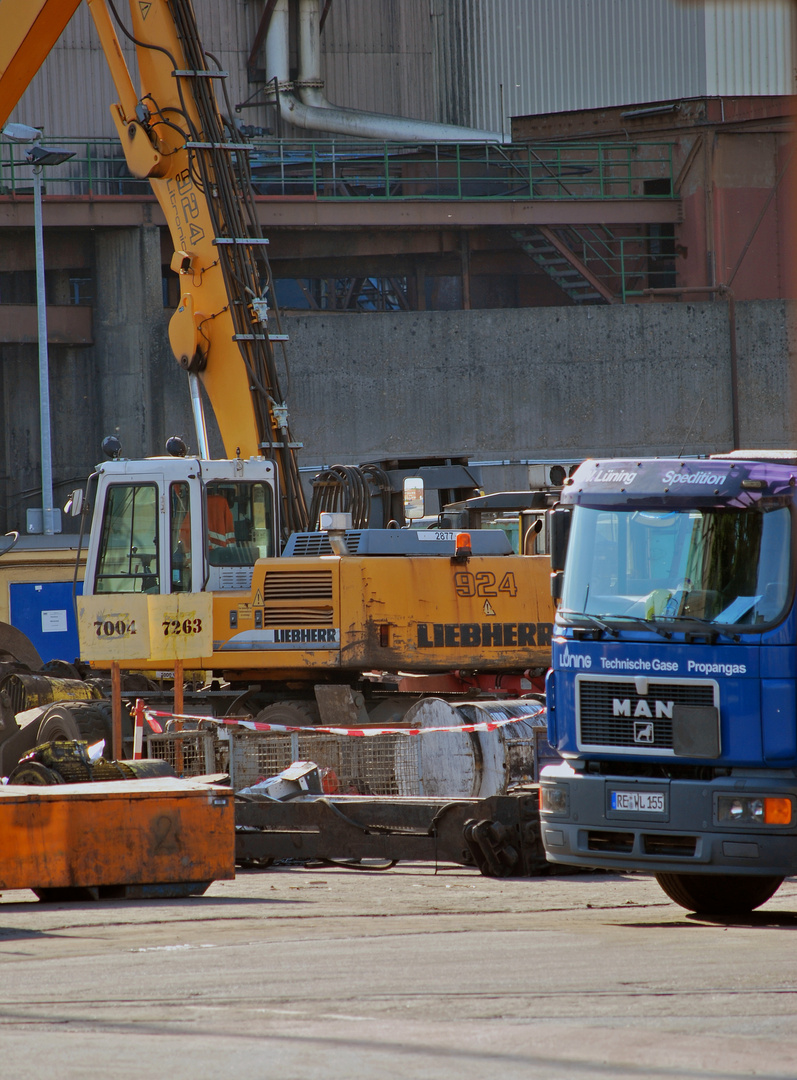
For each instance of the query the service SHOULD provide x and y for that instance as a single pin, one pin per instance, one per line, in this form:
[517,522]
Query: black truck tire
[93,722]
[719,894]
[291,713]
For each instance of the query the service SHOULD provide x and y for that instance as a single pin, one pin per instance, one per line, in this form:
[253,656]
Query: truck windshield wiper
[701,626]
[644,624]
[687,618]
[599,623]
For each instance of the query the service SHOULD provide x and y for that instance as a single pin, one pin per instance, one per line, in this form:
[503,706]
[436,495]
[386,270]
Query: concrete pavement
[322,972]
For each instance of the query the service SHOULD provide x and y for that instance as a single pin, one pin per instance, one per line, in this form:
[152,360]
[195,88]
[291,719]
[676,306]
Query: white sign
[54,622]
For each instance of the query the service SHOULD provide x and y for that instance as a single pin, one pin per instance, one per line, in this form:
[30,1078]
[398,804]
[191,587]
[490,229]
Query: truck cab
[673,691]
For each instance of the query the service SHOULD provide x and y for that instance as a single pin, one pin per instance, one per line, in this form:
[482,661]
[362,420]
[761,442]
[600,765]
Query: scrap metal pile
[462,791]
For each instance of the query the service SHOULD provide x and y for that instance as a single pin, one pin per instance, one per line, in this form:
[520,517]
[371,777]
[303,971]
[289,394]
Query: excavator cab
[172,525]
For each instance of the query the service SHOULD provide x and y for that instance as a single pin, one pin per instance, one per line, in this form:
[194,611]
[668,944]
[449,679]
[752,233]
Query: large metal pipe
[311,109]
[199,416]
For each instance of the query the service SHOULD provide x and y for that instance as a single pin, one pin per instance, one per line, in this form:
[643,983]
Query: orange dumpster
[158,837]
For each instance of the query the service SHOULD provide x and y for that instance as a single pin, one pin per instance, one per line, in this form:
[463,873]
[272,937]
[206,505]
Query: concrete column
[130,336]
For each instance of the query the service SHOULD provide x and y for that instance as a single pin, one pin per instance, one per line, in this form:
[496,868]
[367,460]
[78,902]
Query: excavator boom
[30,30]
[173,133]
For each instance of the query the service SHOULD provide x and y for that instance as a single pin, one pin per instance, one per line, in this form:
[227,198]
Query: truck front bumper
[670,826]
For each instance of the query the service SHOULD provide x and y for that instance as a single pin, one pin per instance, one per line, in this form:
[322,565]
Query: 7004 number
[107,628]
[173,627]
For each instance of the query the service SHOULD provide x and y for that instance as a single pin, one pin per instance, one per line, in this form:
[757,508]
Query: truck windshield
[724,566]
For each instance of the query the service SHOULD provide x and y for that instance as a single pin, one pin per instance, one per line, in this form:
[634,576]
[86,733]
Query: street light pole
[39,156]
[48,522]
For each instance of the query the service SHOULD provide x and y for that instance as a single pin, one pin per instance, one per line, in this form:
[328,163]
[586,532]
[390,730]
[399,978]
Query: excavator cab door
[147,531]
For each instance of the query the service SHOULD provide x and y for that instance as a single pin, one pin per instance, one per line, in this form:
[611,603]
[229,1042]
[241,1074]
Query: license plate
[638,802]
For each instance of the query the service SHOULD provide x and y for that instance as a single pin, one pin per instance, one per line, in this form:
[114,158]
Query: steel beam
[274,214]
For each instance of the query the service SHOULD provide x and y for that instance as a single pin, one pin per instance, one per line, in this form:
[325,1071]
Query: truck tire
[719,894]
[290,713]
[93,722]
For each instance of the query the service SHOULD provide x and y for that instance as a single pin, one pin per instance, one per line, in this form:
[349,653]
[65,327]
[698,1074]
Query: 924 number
[483,584]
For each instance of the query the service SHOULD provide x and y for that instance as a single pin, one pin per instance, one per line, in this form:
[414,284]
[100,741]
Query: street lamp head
[21,133]
[48,155]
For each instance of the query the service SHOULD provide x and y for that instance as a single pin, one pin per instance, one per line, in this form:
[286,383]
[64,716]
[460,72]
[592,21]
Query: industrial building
[481,217]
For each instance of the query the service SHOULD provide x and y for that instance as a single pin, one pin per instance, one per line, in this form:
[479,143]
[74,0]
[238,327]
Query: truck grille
[610,715]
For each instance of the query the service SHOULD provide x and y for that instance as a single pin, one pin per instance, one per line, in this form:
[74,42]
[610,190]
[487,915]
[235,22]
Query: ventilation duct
[304,105]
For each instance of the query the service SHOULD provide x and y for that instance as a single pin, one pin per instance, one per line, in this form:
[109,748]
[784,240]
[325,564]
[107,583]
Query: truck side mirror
[413,498]
[557,579]
[558,530]
[74,504]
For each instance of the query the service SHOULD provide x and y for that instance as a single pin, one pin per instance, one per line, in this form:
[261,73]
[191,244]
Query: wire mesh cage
[192,752]
[349,765]
[380,764]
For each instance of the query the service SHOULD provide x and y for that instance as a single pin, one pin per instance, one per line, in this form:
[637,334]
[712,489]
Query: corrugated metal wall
[72,93]
[455,60]
[555,55]
[381,57]
[749,47]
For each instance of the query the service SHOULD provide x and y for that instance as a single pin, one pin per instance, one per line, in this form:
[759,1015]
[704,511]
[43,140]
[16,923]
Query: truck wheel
[290,713]
[719,894]
[92,720]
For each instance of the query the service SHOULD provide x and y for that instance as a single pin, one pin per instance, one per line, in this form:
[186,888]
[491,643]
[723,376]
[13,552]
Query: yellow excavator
[219,563]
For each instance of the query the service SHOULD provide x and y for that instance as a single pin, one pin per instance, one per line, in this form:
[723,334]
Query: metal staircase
[553,251]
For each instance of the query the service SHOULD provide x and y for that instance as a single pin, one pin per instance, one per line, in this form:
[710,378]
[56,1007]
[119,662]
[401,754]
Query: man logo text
[662,709]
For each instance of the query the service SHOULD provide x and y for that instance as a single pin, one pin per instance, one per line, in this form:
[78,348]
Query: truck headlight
[753,810]
[554,799]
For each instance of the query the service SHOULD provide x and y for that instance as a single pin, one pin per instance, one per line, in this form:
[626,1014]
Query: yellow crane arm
[30,28]
[173,134]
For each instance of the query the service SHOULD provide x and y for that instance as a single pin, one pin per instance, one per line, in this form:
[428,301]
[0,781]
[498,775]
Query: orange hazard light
[462,545]
[777,811]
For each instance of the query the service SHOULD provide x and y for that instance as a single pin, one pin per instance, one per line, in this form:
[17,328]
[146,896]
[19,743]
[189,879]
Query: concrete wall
[539,384]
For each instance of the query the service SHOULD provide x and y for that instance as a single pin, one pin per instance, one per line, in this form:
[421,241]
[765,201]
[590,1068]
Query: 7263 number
[173,627]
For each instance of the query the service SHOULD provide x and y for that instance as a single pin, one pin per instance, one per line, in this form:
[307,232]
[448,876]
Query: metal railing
[625,260]
[344,170]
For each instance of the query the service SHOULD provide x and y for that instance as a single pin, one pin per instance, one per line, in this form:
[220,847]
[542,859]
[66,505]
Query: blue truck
[672,696]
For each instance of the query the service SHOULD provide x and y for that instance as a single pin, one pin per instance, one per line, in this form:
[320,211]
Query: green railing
[624,259]
[344,170]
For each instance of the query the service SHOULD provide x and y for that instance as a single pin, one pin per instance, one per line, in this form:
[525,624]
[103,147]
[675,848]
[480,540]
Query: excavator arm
[29,31]
[173,134]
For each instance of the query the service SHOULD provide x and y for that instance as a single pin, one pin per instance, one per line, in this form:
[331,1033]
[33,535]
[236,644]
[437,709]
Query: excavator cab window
[128,557]
[240,522]
[180,546]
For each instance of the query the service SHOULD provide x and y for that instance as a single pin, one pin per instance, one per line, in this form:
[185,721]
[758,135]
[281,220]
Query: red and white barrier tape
[253,725]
